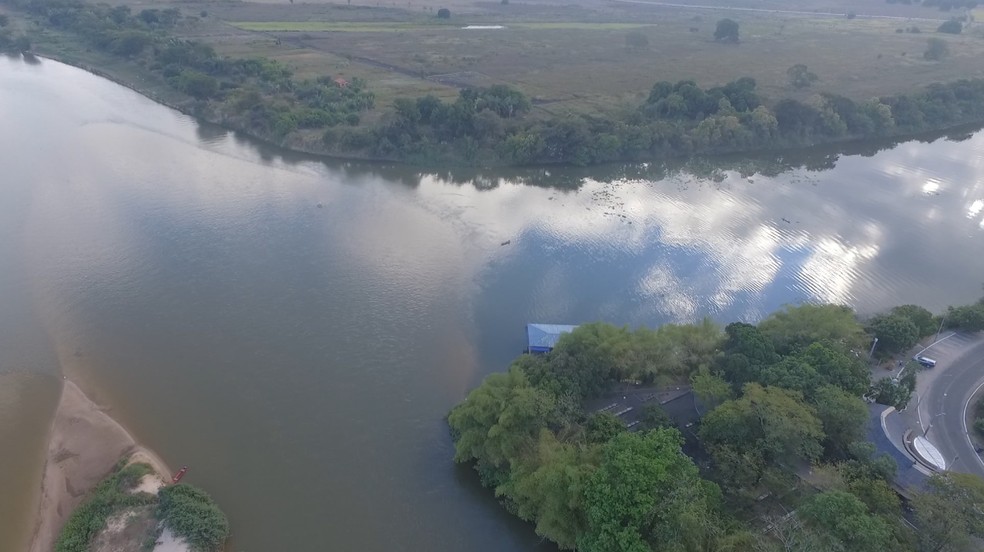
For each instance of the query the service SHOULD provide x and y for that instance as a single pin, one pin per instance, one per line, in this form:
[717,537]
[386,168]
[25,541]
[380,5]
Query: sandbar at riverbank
[84,445]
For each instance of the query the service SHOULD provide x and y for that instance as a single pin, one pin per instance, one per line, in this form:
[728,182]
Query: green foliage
[949,512]
[548,488]
[979,426]
[895,333]
[190,513]
[710,388]
[647,494]
[797,327]
[603,426]
[499,421]
[846,523]
[936,49]
[924,320]
[767,429]
[109,497]
[967,317]
[444,13]
[894,393]
[950,27]
[843,417]
[726,31]
[747,351]
[654,417]
[800,76]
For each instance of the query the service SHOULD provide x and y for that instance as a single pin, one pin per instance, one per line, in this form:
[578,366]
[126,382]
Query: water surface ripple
[295,331]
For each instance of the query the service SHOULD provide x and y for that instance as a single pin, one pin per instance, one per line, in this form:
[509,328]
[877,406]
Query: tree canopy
[726,31]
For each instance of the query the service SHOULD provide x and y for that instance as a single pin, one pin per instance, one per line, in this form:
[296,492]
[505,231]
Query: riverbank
[84,446]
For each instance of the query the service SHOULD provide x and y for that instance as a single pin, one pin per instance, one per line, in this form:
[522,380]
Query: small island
[101,491]
[690,438]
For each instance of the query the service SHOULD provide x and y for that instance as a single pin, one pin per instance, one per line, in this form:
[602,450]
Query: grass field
[573,58]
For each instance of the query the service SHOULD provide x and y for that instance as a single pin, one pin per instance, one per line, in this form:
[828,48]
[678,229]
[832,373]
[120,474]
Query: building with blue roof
[541,338]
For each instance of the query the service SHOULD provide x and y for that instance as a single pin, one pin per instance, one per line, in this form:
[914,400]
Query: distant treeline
[259,96]
[485,126]
[677,119]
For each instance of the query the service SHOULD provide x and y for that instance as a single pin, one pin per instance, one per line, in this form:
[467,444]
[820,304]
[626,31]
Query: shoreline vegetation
[484,126]
[770,454]
[89,458]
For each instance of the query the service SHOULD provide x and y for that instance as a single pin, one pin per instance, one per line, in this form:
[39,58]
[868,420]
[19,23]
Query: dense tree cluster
[493,125]
[257,95]
[783,410]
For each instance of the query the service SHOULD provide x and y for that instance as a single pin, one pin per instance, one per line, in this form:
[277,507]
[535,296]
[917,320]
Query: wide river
[296,330]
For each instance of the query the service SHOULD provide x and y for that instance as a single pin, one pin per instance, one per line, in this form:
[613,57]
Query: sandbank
[84,445]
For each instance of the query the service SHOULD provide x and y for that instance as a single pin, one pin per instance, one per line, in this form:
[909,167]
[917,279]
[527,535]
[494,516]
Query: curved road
[944,404]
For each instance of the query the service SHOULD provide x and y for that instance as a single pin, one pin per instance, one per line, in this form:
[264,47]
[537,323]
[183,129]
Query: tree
[936,49]
[603,426]
[636,40]
[710,388]
[800,76]
[949,512]
[646,493]
[498,422]
[895,333]
[843,417]
[846,523]
[950,27]
[796,327]
[924,320]
[967,317]
[767,429]
[548,488]
[444,13]
[726,31]
[655,417]
[892,393]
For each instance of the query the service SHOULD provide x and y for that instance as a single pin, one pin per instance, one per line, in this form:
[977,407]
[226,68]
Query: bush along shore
[483,126]
[770,454]
[120,514]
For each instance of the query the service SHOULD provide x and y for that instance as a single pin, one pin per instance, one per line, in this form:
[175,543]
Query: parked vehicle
[925,361]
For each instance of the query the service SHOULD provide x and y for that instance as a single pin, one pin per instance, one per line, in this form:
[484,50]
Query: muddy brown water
[296,330]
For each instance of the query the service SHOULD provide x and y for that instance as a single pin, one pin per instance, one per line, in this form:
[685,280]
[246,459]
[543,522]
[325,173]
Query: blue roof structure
[541,338]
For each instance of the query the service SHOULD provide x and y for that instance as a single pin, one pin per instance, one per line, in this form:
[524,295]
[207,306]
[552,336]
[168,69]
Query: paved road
[943,396]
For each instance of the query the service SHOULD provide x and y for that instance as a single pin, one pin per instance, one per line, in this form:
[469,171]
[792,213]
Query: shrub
[191,514]
[444,13]
[950,27]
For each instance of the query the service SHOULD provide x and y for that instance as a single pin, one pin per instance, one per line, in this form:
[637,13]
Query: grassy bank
[395,84]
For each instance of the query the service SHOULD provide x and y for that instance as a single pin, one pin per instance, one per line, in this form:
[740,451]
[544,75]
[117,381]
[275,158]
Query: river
[295,330]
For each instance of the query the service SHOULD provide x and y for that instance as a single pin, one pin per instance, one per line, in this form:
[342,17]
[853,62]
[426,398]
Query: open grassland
[573,58]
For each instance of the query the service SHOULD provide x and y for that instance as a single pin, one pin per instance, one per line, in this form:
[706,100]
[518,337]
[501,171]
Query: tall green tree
[949,512]
[498,422]
[647,495]
[767,429]
[726,31]
[797,327]
[843,417]
[846,523]
[548,488]
[895,333]
[924,320]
